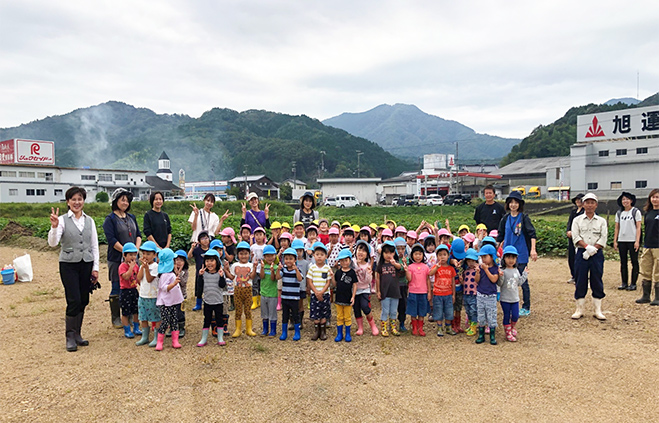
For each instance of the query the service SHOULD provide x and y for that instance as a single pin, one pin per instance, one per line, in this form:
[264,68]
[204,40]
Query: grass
[260,348]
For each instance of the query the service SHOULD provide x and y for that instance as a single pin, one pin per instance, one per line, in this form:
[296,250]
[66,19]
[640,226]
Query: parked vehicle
[534,192]
[466,199]
[453,199]
[521,190]
[329,201]
[343,201]
[434,200]
[232,198]
[421,199]
[407,200]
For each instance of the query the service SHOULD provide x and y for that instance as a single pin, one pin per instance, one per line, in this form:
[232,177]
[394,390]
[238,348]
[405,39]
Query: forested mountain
[407,131]
[220,144]
[556,138]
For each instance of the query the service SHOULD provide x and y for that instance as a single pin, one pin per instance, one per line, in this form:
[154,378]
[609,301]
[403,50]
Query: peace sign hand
[194,209]
[266,210]
[54,218]
[225,215]
[202,270]
[243,208]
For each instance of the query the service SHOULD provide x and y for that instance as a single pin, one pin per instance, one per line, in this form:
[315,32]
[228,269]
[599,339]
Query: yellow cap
[345,224]
[286,225]
[355,228]
[389,220]
[275,225]
[383,227]
[373,226]
[463,227]
[316,222]
[481,226]
[298,224]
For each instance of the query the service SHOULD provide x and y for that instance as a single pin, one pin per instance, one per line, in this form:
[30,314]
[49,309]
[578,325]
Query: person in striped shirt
[319,278]
[289,291]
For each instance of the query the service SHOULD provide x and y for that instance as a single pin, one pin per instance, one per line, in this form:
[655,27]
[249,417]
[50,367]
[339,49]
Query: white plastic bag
[23,267]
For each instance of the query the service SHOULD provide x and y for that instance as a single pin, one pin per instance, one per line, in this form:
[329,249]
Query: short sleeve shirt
[469,284]
[241,272]
[388,281]
[419,282]
[149,290]
[318,275]
[344,282]
[444,281]
[130,282]
[627,221]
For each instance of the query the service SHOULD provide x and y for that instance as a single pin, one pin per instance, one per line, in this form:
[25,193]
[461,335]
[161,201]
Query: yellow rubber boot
[255,302]
[393,324]
[383,330]
[258,300]
[248,328]
[239,329]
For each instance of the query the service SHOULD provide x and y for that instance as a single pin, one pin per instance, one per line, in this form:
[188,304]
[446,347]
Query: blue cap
[510,250]
[443,247]
[345,253]
[472,254]
[488,249]
[290,252]
[400,241]
[418,246]
[212,253]
[216,243]
[458,248]
[318,244]
[297,244]
[242,245]
[269,249]
[361,241]
[129,247]
[489,239]
[148,246]
[391,243]
[166,260]
[181,253]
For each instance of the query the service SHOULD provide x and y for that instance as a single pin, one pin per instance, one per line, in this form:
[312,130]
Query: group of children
[427,271]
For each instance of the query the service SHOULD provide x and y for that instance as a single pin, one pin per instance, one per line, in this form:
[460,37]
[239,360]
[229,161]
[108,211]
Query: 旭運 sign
[19,151]
[626,123]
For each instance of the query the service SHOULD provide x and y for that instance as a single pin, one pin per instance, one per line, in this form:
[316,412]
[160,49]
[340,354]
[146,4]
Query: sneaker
[524,312]
[571,280]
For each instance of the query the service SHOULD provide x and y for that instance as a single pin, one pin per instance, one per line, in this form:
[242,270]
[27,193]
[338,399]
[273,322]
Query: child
[323,231]
[349,237]
[418,275]
[386,286]
[481,232]
[463,230]
[486,297]
[319,278]
[400,232]
[298,232]
[213,288]
[285,228]
[333,247]
[401,250]
[289,292]
[510,281]
[443,291]
[245,234]
[268,288]
[128,296]
[181,271]
[256,252]
[458,253]
[146,304]
[242,272]
[346,289]
[471,276]
[169,296]
[275,230]
[469,240]
[303,264]
[364,271]
[444,237]
[312,237]
[197,250]
[431,261]
[411,238]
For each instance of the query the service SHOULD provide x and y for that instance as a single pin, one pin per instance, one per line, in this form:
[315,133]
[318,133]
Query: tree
[102,197]
[240,195]
[286,192]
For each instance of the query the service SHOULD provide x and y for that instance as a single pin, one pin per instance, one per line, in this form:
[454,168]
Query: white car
[343,201]
[329,201]
[434,200]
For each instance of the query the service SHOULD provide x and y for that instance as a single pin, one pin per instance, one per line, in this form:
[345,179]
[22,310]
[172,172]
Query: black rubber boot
[623,286]
[115,310]
[656,294]
[481,335]
[493,338]
[71,344]
[647,288]
[79,340]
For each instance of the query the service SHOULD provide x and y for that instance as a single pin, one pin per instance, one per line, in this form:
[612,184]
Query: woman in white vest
[78,260]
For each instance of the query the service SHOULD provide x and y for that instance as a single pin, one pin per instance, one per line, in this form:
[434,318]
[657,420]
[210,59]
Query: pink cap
[469,237]
[387,232]
[286,235]
[230,233]
[443,231]
[365,228]
[246,226]
[333,231]
[494,233]
[412,234]
[259,229]
[401,229]
[423,236]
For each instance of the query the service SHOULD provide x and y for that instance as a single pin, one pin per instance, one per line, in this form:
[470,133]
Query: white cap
[252,195]
[589,196]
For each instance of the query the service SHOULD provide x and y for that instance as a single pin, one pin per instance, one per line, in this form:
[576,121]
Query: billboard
[434,161]
[19,151]
[625,123]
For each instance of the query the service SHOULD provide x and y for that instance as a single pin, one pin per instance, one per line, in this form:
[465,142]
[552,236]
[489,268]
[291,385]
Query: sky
[499,67]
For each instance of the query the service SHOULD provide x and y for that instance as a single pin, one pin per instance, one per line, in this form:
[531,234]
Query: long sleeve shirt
[55,234]
[591,231]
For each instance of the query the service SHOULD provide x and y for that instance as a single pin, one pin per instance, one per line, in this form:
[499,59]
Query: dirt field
[560,370]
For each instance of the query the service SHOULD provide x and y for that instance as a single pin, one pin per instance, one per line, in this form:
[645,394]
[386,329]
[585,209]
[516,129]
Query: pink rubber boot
[175,343]
[374,328]
[279,303]
[161,341]
[360,326]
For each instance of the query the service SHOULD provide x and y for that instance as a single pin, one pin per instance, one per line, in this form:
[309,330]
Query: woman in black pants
[78,260]
[570,249]
[627,238]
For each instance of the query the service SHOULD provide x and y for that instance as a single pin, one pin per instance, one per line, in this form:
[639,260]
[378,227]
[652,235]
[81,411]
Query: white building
[366,190]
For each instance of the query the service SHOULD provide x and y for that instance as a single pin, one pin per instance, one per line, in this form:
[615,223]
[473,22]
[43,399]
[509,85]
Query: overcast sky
[499,67]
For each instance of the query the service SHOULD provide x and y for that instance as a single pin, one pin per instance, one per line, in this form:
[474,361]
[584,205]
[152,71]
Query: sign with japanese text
[7,152]
[27,152]
[626,123]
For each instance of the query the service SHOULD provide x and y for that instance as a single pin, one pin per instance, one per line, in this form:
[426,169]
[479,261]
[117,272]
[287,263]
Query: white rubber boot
[580,306]
[597,302]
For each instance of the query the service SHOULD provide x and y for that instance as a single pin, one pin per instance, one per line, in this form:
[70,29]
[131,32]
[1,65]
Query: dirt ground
[559,370]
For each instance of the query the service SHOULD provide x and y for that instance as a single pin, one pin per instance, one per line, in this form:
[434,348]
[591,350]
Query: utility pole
[359,153]
[294,170]
[457,176]
[245,176]
[322,162]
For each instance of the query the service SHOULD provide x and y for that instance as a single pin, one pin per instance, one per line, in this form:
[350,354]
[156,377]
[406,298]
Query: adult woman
[627,238]
[576,211]
[254,217]
[650,256]
[517,230]
[306,213]
[205,219]
[78,260]
[120,227]
[157,227]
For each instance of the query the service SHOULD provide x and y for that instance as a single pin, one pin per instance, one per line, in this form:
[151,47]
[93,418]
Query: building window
[41,192]
[44,175]
[120,177]
[26,174]
[642,150]
[29,192]
[105,177]
[8,173]
[616,185]
[558,173]
[592,185]
[13,191]
[88,177]
[641,184]
[58,192]
[604,153]
[621,152]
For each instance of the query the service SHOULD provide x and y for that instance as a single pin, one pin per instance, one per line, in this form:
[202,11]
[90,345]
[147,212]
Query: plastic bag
[23,267]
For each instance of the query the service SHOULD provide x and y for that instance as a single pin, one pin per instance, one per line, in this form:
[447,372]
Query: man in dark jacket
[490,212]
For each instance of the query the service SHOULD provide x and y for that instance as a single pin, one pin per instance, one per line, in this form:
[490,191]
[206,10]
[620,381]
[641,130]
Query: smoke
[91,140]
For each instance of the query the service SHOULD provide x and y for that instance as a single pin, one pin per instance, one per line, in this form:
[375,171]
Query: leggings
[169,315]
[510,312]
[216,311]
[625,248]
[402,304]
[290,310]
[362,303]
[243,299]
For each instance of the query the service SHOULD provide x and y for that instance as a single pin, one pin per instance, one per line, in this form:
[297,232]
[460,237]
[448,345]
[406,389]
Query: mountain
[220,144]
[556,138]
[626,100]
[406,131]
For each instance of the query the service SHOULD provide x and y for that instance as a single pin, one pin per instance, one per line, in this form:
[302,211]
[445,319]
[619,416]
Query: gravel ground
[559,370]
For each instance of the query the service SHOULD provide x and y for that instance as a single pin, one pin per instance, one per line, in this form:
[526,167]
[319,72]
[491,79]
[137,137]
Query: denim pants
[389,308]
[471,309]
[526,291]
[442,308]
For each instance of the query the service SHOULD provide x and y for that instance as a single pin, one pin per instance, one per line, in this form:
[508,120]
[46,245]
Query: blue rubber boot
[402,327]
[265,327]
[339,334]
[297,335]
[197,306]
[136,328]
[128,333]
[348,338]
[273,328]
[284,332]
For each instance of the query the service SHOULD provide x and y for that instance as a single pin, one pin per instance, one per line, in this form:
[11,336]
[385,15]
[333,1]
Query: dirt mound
[14,229]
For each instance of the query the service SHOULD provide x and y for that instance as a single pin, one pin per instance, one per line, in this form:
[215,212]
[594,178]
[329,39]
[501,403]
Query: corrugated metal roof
[533,166]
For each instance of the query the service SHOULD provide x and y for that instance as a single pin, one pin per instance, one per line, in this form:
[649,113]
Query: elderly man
[589,233]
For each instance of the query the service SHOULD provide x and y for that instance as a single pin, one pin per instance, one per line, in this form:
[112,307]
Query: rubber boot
[197,306]
[204,338]
[493,339]
[239,329]
[297,335]
[254,303]
[279,303]
[220,336]
[232,304]
[509,333]
[647,289]
[154,341]
[181,329]
[284,332]
[374,327]
[145,336]
[580,306]
[226,323]
[449,328]
[273,328]
[339,334]
[248,328]
[656,294]
[470,329]
[79,340]
[323,332]
[265,327]
[513,329]
[360,326]
[420,329]
[115,311]
[393,324]
[70,323]
[348,337]
[415,327]
[384,328]
[597,302]
[457,318]
[316,334]
[301,319]
[175,342]
[401,326]
[481,335]
[136,328]
[160,342]
[128,333]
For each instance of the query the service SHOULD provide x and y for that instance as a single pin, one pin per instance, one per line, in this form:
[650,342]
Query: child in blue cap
[268,291]
[213,289]
[147,309]
[510,280]
[486,296]
[169,297]
[129,296]
[470,279]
